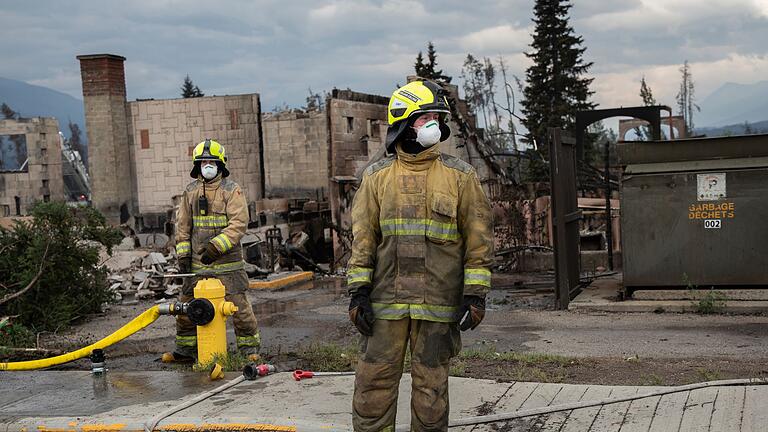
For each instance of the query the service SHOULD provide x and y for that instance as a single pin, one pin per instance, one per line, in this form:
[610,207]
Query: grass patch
[523,358]
[458,368]
[233,361]
[653,380]
[708,375]
[711,303]
[16,336]
[488,363]
[330,357]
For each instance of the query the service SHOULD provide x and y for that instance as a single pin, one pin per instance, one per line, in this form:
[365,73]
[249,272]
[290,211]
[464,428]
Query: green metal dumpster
[694,212]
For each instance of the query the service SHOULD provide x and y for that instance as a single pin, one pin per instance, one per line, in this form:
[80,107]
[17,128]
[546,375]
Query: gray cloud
[281,48]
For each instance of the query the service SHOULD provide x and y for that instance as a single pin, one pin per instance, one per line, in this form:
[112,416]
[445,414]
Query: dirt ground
[522,339]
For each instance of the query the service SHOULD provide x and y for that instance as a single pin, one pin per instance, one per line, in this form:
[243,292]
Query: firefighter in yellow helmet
[211,220]
[420,266]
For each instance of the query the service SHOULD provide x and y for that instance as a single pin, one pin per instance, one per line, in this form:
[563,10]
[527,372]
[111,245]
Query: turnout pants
[377,377]
[244,320]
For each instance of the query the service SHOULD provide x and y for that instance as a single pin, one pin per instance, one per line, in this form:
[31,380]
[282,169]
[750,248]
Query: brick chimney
[109,159]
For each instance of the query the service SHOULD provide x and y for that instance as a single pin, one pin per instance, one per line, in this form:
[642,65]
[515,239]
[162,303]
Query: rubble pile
[147,277]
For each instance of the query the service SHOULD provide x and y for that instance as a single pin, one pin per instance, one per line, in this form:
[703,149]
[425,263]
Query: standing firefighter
[419,269]
[211,220]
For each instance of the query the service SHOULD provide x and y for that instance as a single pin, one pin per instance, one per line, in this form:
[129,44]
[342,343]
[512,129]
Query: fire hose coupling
[252,371]
[200,310]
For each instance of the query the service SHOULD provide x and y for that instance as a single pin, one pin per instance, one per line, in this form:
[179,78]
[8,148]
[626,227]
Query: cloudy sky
[282,48]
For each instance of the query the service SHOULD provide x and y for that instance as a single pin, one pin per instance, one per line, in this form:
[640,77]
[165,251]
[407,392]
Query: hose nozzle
[252,371]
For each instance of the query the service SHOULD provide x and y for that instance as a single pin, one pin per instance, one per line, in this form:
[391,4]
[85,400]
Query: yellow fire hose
[146,318]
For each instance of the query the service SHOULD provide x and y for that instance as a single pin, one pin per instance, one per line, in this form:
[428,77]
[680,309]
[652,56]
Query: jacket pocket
[442,226]
[218,207]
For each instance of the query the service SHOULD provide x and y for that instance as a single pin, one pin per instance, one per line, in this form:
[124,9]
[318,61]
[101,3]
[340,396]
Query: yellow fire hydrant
[212,337]
[209,312]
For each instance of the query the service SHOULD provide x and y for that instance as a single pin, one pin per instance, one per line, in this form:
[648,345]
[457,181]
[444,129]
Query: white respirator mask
[429,134]
[209,171]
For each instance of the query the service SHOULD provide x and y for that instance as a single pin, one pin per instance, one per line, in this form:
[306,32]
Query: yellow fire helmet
[410,101]
[209,150]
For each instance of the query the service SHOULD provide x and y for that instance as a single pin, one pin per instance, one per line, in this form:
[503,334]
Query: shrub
[49,266]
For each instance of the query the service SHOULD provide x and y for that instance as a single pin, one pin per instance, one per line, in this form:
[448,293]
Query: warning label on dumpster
[722,210]
[710,187]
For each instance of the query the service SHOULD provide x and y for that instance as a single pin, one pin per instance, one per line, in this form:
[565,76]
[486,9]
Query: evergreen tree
[685,98]
[189,90]
[429,69]
[474,92]
[8,112]
[556,85]
[646,94]
[420,67]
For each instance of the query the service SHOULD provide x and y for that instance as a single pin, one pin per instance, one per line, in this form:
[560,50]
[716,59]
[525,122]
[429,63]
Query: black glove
[361,312]
[472,312]
[185,264]
[210,255]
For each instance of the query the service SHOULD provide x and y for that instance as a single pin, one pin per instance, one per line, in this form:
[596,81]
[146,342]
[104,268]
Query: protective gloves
[185,264]
[361,312]
[210,255]
[472,312]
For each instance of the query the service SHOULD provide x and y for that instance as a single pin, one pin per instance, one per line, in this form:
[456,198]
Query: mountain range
[36,101]
[733,104]
[723,112]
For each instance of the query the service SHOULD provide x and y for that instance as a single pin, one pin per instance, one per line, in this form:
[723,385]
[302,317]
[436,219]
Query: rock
[172,290]
[144,294]
[155,258]
[143,285]
[115,286]
[126,244]
[140,276]
[158,240]
[130,302]
[115,278]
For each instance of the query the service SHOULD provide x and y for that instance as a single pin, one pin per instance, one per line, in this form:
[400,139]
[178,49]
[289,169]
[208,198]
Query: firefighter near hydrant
[211,219]
[420,265]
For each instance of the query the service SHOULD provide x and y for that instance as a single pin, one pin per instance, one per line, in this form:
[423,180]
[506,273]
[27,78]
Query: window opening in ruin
[6,210]
[45,183]
[18,205]
[13,153]
[46,198]
[43,153]
[364,144]
[350,124]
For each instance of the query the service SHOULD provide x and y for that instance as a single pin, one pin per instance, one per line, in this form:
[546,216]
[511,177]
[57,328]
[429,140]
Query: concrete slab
[698,294]
[602,296]
[76,401]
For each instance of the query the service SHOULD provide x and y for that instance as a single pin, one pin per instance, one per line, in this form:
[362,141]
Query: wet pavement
[520,318]
[80,402]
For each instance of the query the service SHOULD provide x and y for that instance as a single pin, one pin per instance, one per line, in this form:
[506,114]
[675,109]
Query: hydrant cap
[210,289]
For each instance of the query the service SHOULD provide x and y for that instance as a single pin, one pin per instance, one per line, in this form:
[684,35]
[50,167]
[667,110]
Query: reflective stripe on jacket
[422,236]
[223,225]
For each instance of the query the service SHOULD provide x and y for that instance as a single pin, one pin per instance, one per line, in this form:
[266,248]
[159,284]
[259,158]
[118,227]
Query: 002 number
[712,223]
